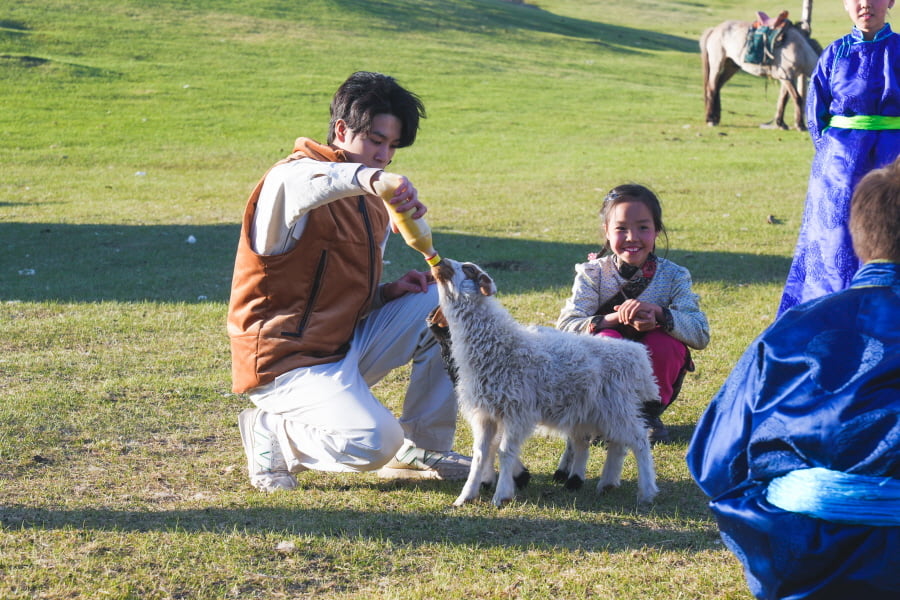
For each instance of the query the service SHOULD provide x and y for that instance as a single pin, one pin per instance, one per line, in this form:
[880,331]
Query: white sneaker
[265,462]
[417,463]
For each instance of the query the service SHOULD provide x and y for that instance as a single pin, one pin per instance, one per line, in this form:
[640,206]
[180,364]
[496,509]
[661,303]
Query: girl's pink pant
[667,356]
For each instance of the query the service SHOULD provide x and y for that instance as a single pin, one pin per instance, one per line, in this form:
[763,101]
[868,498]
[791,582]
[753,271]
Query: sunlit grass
[132,133]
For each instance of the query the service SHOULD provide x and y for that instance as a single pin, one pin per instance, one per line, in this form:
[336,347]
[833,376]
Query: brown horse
[722,49]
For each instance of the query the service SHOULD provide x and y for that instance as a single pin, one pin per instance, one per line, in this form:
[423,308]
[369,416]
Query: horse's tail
[710,80]
[704,57]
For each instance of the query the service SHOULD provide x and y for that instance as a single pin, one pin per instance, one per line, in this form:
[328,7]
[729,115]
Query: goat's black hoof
[522,479]
[560,476]
[574,482]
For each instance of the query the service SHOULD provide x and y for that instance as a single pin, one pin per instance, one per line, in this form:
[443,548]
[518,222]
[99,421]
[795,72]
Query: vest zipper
[368,222]
[310,304]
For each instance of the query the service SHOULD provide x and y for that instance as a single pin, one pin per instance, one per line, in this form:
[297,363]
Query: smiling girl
[629,292]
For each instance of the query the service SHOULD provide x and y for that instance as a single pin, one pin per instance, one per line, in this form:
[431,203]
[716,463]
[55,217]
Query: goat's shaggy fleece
[513,378]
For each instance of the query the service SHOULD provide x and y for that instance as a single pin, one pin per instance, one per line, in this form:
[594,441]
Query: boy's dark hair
[875,215]
[632,192]
[365,95]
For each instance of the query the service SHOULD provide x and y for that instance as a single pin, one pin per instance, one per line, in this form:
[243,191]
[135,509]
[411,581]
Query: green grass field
[129,127]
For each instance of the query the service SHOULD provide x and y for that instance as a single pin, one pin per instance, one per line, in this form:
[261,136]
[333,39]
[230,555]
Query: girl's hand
[643,316]
[644,323]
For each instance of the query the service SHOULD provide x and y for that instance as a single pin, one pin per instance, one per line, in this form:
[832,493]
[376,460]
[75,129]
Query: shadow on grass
[186,263]
[680,434]
[620,528]
[498,18]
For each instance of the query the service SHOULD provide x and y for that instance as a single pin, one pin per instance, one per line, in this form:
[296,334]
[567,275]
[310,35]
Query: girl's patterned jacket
[598,280]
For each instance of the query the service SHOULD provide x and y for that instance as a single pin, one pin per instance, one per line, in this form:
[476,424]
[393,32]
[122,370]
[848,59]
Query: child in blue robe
[853,115]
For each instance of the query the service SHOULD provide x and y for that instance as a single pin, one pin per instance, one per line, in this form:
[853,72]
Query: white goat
[513,378]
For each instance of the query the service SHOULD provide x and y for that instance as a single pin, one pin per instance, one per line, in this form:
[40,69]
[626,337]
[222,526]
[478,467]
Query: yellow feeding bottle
[416,232]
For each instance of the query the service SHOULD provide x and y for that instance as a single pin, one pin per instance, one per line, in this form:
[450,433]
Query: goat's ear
[486,285]
[436,317]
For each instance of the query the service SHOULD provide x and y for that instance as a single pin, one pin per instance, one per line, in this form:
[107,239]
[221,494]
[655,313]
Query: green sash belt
[870,122]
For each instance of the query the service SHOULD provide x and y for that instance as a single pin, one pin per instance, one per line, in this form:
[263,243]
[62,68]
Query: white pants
[325,417]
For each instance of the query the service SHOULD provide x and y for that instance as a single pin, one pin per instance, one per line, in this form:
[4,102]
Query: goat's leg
[522,477]
[612,469]
[581,445]
[647,489]
[484,429]
[488,475]
[565,462]
[521,474]
[509,449]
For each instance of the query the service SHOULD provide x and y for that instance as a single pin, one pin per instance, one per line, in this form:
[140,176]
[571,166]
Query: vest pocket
[313,295]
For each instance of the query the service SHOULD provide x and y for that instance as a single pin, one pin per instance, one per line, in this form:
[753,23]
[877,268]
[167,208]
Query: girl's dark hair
[632,192]
[365,95]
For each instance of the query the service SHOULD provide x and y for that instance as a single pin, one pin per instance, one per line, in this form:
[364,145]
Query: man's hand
[405,197]
[413,282]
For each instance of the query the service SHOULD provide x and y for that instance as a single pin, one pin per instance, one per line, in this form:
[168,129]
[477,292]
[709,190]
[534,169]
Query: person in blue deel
[800,449]
[853,116]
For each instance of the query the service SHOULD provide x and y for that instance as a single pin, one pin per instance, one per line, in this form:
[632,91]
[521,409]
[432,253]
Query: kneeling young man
[312,327]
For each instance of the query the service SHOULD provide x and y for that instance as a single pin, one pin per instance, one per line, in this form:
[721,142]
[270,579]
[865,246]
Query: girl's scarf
[636,281]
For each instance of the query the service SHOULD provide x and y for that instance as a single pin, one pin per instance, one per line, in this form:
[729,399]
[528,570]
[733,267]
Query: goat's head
[462,280]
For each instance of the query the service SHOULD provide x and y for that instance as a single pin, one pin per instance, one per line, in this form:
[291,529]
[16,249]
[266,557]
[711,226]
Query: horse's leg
[799,114]
[714,59]
[780,104]
[798,104]
[707,103]
[726,71]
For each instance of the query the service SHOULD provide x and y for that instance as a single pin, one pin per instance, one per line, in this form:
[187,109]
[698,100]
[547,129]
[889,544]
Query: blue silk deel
[853,77]
[819,389]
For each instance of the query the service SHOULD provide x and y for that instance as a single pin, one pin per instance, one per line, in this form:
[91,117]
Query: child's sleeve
[584,301]
[819,97]
[689,323]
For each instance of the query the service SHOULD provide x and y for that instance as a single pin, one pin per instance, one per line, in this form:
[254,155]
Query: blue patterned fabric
[853,77]
[819,388]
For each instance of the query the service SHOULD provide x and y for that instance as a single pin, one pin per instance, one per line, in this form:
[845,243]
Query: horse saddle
[763,37]
[764,20]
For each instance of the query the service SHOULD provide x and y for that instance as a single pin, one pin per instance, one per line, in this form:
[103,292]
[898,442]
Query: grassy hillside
[131,126]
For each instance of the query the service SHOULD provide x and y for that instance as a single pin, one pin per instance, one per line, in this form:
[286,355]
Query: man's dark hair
[365,95]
